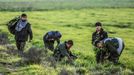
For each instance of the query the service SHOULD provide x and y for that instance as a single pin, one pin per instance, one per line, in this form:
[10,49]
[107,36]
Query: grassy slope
[78,25]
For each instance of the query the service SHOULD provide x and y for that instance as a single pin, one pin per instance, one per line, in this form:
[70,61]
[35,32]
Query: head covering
[20,25]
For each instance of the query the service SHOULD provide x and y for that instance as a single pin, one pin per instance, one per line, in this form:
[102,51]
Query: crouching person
[110,49]
[22,32]
[49,39]
[63,50]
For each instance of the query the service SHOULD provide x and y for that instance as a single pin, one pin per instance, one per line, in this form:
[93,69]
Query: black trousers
[49,45]
[20,45]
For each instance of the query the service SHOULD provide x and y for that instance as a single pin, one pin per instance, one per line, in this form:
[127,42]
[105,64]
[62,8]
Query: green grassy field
[29,5]
[77,25]
[75,21]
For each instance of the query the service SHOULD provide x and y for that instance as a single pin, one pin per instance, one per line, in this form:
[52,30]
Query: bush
[34,55]
[3,39]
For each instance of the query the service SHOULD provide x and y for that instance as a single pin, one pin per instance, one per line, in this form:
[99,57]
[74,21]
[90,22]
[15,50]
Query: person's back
[116,43]
[49,35]
[49,39]
[52,35]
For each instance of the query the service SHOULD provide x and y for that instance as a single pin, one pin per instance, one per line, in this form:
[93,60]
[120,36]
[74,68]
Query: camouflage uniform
[61,51]
[99,37]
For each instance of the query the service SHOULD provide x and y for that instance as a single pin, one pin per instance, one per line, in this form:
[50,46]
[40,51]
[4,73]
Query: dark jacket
[110,48]
[62,50]
[52,35]
[98,37]
[24,34]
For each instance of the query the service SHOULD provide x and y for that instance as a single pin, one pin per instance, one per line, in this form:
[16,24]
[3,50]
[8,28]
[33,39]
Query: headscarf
[20,25]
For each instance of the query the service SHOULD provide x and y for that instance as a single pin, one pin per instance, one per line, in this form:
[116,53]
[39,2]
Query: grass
[25,5]
[78,25]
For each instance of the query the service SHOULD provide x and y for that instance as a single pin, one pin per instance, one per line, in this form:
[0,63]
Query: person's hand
[30,40]
[70,59]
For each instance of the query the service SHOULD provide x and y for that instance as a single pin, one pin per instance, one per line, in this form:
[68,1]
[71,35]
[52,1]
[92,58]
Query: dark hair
[96,42]
[70,42]
[23,15]
[98,24]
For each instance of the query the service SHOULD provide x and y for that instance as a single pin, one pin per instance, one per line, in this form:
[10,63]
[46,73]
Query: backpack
[12,24]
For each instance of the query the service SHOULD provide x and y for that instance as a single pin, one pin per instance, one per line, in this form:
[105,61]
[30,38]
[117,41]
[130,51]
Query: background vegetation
[29,5]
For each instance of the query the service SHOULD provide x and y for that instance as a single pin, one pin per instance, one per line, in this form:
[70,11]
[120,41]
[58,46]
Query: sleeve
[46,36]
[93,38]
[105,35]
[58,41]
[64,51]
[30,32]
[58,38]
[71,54]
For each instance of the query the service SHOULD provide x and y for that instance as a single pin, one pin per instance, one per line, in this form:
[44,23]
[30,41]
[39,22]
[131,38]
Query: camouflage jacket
[98,37]
[62,51]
